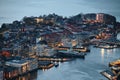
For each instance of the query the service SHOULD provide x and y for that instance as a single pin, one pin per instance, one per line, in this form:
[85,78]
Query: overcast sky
[11,10]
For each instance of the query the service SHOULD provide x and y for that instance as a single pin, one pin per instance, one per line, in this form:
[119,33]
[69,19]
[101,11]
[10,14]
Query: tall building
[105,18]
[100,17]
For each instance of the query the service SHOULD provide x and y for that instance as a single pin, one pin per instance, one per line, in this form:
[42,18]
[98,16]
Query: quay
[20,67]
[106,46]
[80,49]
[106,42]
[109,74]
[45,64]
[53,59]
[15,68]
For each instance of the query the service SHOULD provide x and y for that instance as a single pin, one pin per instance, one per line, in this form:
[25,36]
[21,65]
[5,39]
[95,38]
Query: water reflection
[102,52]
[107,52]
[108,55]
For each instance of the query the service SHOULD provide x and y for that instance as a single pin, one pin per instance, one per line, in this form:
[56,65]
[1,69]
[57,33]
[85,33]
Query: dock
[53,59]
[45,64]
[109,74]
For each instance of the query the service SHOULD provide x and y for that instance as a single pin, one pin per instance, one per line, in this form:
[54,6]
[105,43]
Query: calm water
[88,69]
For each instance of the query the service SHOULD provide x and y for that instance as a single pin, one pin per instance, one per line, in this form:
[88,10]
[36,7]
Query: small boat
[81,49]
[56,64]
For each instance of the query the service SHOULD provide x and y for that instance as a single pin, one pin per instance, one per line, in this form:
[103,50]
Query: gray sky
[11,10]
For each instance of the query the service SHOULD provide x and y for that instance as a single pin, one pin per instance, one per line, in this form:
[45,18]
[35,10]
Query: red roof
[6,53]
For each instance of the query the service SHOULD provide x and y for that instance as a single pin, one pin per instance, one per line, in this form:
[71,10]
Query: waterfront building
[100,17]
[10,72]
[32,64]
[105,18]
[24,65]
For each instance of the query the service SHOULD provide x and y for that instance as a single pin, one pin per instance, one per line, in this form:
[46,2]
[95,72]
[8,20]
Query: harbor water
[89,68]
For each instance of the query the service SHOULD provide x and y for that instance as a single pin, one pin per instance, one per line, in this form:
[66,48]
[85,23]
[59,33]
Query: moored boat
[80,49]
[114,63]
[56,64]
[70,54]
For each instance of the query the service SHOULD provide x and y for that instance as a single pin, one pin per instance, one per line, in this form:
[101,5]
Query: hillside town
[37,42]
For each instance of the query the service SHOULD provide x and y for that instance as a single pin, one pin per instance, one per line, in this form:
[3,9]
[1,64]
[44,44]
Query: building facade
[24,65]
